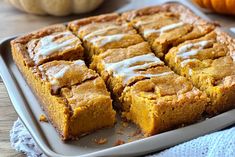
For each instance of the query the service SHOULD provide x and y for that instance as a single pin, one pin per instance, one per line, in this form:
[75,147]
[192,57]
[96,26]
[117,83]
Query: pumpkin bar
[50,43]
[163,102]
[134,63]
[65,73]
[84,94]
[128,72]
[74,97]
[91,107]
[100,33]
[167,25]
[209,63]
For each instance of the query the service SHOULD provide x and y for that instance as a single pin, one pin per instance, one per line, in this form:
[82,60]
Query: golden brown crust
[185,14]
[76,24]
[174,8]
[39,33]
[31,45]
[226,39]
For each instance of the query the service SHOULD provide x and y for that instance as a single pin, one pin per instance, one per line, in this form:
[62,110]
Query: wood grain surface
[14,22]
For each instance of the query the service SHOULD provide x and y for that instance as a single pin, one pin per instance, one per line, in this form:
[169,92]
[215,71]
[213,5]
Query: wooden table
[14,22]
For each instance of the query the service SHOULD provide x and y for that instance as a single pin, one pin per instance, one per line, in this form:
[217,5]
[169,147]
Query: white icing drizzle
[233,57]
[190,72]
[124,69]
[54,76]
[139,23]
[163,29]
[61,72]
[79,62]
[185,62]
[48,46]
[128,76]
[100,31]
[103,40]
[185,52]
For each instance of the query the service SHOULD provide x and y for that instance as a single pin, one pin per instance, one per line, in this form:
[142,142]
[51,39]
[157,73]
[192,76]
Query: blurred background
[15,20]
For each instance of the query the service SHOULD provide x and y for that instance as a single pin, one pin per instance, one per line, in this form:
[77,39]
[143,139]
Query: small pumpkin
[56,7]
[219,6]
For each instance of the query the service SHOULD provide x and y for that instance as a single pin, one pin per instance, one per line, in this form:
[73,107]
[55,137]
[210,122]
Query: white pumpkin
[56,7]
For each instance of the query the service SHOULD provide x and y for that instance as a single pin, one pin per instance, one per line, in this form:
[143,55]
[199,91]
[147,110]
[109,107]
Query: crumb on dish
[136,133]
[119,142]
[120,132]
[100,140]
[43,118]
[125,124]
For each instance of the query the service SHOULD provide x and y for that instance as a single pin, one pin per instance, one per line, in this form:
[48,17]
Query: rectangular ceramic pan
[28,109]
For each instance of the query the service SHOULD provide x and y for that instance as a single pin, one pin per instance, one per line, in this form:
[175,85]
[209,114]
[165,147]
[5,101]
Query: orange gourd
[219,6]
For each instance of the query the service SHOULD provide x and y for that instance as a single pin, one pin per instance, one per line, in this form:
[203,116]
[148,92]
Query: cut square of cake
[51,43]
[65,73]
[91,107]
[167,25]
[130,64]
[100,33]
[163,102]
[209,63]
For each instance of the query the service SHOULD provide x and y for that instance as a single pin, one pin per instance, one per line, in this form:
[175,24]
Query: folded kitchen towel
[22,141]
[218,144]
